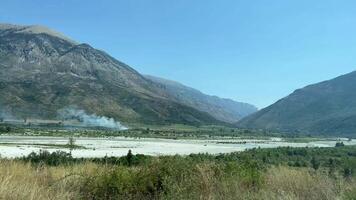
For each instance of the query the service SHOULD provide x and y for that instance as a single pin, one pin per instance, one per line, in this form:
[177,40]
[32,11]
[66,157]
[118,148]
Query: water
[17,146]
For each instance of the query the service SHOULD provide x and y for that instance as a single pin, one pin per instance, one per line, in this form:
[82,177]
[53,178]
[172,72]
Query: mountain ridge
[221,108]
[328,107]
[34,29]
[42,72]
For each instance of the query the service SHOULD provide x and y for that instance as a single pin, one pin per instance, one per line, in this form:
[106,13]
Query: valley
[19,146]
[78,123]
[20,141]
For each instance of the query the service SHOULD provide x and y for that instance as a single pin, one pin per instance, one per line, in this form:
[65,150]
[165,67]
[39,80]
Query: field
[18,141]
[174,131]
[281,173]
[258,173]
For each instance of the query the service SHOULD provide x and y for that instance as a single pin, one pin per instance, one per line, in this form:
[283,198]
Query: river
[17,146]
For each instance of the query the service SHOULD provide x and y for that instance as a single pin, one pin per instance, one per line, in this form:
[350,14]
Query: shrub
[52,159]
[339,144]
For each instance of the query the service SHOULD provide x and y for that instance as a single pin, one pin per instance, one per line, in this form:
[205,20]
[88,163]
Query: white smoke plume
[90,120]
[5,113]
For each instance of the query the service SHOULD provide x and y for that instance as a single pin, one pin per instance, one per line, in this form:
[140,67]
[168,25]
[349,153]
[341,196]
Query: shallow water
[119,146]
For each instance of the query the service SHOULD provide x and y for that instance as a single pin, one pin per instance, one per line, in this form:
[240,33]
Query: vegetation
[281,173]
[319,109]
[175,131]
[117,88]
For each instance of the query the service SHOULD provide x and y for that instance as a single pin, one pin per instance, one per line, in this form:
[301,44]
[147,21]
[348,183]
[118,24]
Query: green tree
[347,172]
[339,144]
[71,144]
[315,163]
[129,157]
[8,129]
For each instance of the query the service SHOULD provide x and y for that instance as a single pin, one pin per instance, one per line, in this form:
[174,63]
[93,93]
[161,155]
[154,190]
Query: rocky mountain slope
[325,108]
[42,71]
[225,110]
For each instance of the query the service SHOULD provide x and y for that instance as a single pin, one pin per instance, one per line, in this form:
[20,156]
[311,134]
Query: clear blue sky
[253,51]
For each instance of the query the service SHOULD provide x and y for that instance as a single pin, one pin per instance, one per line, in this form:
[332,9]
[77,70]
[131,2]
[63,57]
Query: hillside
[43,72]
[328,108]
[222,109]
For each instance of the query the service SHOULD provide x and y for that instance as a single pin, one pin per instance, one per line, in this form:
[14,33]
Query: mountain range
[222,109]
[327,108]
[43,71]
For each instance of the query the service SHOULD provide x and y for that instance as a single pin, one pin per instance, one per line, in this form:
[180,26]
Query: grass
[308,139]
[245,175]
[174,131]
[279,173]
[177,180]
[23,181]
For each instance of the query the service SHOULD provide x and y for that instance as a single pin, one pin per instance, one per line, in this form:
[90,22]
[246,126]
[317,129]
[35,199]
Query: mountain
[222,109]
[43,72]
[328,108]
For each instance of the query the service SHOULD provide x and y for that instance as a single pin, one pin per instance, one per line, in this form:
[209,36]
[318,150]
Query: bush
[52,159]
[5,129]
[254,174]
[339,144]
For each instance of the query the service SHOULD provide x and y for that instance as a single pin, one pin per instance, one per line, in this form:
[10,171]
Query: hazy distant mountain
[222,109]
[325,108]
[42,71]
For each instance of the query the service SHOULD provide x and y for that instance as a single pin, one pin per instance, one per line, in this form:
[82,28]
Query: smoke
[90,120]
[5,113]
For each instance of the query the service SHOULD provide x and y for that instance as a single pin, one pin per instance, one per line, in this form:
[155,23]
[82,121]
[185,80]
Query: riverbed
[18,146]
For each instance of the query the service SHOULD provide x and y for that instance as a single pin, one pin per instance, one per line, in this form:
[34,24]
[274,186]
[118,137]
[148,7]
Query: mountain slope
[222,109]
[325,108]
[42,71]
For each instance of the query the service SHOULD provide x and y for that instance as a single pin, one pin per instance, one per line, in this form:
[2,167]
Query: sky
[251,51]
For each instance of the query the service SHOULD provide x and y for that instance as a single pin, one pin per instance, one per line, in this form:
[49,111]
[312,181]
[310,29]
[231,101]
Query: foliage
[293,173]
[339,144]
[52,159]
[5,129]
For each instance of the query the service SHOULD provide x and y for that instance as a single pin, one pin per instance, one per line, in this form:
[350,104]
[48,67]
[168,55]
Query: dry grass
[19,180]
[302,184]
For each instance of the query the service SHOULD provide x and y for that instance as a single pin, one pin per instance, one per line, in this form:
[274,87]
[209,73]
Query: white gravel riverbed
[17,146]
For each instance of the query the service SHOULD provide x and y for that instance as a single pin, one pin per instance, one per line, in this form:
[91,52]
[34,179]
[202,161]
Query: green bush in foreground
[280,173]
[171,178]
